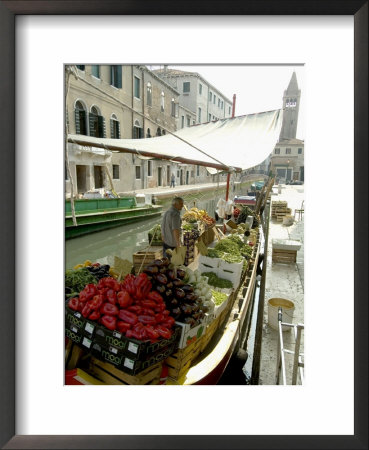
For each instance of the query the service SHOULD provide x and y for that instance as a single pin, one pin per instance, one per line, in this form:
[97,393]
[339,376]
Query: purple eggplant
[161,278]
[181,274]
[179,293]
[177,282]
[160,288]
[191,297]
[187,288]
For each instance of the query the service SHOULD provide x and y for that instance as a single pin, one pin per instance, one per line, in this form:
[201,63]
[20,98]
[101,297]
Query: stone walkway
[283,281]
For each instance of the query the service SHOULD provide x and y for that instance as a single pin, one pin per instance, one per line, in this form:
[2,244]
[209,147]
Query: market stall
[157,325]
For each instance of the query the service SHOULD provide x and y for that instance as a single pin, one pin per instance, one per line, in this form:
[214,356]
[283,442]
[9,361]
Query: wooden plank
[111,375]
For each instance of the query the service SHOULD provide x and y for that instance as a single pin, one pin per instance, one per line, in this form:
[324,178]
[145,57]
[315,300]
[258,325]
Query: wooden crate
[147,256]
[284,256]
[109,374]
[178,363]
[73,355]
[210,331]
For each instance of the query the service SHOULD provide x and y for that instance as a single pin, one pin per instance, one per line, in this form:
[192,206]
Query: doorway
[181,177]
[81,179]
[159,176]
[187,176]
[98,176]
[168,175]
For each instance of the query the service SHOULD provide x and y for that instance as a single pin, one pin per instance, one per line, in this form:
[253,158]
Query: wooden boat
[210,355]
[103,213]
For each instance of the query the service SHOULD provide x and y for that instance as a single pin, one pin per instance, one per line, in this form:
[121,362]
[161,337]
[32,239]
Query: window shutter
[118,123]
[112,128]
[102,126]
[76,119]
[119,77]
[91,123]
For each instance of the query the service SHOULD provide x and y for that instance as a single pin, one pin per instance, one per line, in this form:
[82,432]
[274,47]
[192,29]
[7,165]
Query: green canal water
[125,240]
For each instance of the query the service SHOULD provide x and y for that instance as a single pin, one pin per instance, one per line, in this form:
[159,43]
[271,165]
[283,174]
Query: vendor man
[171,226]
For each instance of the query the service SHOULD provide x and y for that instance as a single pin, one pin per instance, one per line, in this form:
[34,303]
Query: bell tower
[291,103]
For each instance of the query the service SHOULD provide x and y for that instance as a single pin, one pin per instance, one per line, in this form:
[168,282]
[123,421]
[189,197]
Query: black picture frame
[8,11]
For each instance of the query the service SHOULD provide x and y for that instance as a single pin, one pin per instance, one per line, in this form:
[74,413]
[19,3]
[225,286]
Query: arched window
[158,132]
[114,127]
[80,116]
[137,130]
[96,123]
[162,100]
[148,134]
[163,133]
[149,94]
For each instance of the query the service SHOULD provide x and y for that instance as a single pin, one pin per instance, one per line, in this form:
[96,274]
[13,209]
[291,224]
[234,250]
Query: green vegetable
[77,279]
[228,246]
[219,297]
[228,257]
[215,281]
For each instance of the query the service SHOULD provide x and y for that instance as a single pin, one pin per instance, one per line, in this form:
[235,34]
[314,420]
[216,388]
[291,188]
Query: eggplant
[171,274]
[151,269]
[168,293]
[176,313]
[187,288]
[160,288]
[169,285]
[165,261]
[186,309]
[161,278]
[177,282]
[174,302]
[179,293]
[158,262]
[181,274]
[191,297]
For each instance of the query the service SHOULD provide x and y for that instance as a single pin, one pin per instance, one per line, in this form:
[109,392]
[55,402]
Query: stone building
[197,94]
[287,158]
[122,102]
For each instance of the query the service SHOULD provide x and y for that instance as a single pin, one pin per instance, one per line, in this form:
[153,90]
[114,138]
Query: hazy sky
[257,88]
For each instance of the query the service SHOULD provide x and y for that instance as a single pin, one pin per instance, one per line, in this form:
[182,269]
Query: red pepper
[163,331]
[96,302]
[83,297]
[147,311]
[151,332]
[142,285]
[124,299]
[147,320]
[111,296]
[95,315]
[160,308]
[96,264]
[73,303]
[109,322]
[128,316]
[88,292]
[148,304]
[160,317]
[137,309]
[109,309]
[128,284]
[123,327]
[168,323]
[86,311]
[129,333]
[155,296]
[111,283]
[166,312]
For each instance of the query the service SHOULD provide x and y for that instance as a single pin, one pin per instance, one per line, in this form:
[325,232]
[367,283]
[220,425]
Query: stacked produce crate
[279,210]
[146,256]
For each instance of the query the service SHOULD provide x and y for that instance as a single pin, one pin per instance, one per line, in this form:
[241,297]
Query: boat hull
[98,221]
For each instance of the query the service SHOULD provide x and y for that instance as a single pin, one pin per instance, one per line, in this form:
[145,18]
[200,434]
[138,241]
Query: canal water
[127,239]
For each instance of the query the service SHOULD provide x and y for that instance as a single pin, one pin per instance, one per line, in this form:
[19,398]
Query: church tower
[291,103]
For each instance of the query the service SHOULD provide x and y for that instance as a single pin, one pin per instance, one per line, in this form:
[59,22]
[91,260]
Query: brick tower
[291,103]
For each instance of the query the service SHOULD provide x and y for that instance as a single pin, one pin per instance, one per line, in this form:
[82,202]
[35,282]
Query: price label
[89,328]
[86,342]
[113,350]
[74,329]
[132,347]
[129,363]
[117,335]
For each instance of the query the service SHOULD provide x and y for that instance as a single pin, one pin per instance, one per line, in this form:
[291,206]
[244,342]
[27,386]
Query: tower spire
[291,104]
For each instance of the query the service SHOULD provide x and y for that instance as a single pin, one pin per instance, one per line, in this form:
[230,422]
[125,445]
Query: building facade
[198,95]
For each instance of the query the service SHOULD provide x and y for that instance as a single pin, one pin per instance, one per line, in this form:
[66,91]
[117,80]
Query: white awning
[240,142]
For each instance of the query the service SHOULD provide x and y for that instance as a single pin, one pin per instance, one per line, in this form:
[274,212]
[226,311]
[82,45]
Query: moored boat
[103,213]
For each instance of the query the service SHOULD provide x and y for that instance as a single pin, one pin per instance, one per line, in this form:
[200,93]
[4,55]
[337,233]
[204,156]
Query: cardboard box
[133,348]
[125,363]
[79,329]
[190,335]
